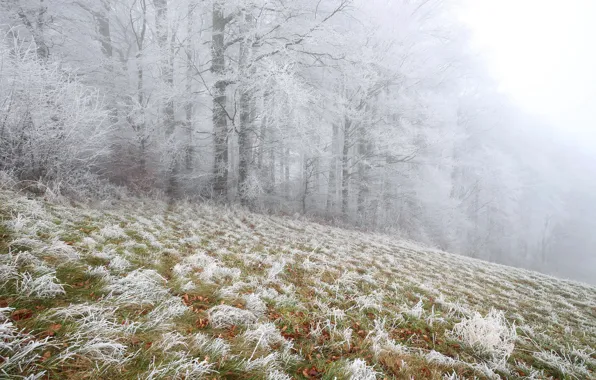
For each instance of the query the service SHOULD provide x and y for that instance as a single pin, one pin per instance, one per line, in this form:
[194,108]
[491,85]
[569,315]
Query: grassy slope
[305,301]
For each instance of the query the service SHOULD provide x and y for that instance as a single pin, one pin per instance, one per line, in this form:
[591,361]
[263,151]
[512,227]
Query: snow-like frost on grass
[41,287]
[358,369]
[162,316]
[224,316]
[437,357]
[278,375]
[216,272]
[381,341]
[180,367]
[336,292]
[490,336]
[370,301]
[214,347]
[566,362]
[276,269]
[263,364]
[8,272]
[417,311]
[119,264]
[140,287]
[60,250]
[98,271]
[97,349]
[255,305]
[112,232]
[264,335]
[18,350]
[171,340]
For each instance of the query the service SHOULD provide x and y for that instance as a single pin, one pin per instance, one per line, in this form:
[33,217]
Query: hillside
[144,290]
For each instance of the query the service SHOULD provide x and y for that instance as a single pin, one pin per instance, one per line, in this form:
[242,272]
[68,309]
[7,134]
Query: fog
[540,53]
[466,125]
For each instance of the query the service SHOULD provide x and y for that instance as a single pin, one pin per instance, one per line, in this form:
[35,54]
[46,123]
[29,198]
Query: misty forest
[264,118]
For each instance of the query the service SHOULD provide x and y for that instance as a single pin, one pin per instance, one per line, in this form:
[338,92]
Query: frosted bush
[490,336]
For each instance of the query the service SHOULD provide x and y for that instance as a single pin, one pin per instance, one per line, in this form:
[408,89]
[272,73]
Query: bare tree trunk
[140,128]
[272,164]
[37,29]
[364,165]
[189,109]
[363,177]
[220,122]
[102,21]
[332,188]
[167,72]
[244,137]
[345,169]
[287,172]
[167,60]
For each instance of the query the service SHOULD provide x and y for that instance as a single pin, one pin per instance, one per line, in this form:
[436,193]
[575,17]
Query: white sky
[543,53]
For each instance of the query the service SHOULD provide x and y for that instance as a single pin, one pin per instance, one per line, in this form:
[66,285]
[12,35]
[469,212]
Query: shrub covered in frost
[490,336]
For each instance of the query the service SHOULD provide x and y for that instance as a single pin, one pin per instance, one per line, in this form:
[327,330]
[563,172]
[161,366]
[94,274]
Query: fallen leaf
[21,314]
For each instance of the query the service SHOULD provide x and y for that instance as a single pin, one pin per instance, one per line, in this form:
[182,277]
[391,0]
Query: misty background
[467,125]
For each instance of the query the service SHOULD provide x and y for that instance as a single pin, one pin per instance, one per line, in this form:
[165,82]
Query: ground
[140,289]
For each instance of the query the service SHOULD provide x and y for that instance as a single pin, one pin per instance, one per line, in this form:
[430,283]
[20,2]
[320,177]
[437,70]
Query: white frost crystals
[359,370]
[41,287]
[223,316]
[17,349]
[246,300]
[141,287]
[491,336]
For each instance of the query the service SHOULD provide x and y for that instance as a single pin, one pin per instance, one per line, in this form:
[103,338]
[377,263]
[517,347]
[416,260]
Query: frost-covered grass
[147,291]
